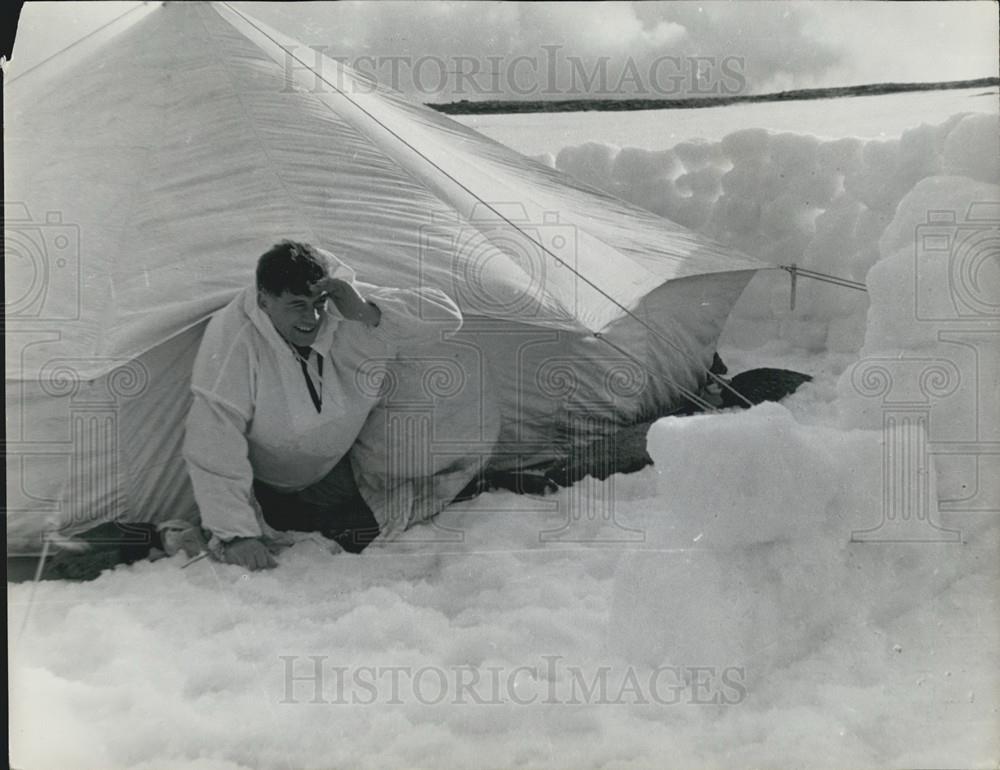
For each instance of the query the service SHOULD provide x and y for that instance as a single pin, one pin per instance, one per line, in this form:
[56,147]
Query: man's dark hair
[289,266]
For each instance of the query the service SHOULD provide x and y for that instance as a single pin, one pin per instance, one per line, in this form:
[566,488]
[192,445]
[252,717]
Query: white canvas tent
[143,181]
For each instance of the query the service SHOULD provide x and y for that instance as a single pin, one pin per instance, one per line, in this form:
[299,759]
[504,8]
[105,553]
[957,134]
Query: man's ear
[262,299]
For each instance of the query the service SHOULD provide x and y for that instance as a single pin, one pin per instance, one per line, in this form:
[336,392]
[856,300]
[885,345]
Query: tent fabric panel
[468,171]
[557,389]
[73,478]
[112,446]
[434,428]
[453,146]
[157,483]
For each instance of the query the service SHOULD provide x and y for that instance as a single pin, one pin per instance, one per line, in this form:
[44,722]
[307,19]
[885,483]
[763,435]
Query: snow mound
[768,538]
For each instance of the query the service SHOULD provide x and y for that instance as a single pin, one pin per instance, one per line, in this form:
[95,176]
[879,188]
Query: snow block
[767,538]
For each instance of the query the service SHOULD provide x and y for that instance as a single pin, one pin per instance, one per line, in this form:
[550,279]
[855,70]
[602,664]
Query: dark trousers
[332,506]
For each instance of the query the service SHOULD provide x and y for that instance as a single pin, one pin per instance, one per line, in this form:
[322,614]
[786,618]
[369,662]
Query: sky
[443,51]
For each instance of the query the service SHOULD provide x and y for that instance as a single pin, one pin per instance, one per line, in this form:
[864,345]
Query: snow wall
[836,206]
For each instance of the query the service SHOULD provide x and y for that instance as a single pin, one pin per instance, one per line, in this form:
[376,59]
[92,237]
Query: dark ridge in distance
[492,106]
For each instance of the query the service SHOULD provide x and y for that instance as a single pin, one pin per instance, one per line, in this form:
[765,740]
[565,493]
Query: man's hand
[249,553]
[350,304]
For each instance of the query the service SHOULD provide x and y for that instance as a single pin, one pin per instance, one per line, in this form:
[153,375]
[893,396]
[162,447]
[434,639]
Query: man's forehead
[289,298]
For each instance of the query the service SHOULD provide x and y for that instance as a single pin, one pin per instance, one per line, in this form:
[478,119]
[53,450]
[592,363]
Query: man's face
[296,317]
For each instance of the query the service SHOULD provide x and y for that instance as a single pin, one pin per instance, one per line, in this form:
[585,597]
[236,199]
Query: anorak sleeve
[215,449]
[411,317]
[215,440]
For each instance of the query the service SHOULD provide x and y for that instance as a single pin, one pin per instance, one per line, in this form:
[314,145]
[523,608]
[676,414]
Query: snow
[745,601]
[153,666]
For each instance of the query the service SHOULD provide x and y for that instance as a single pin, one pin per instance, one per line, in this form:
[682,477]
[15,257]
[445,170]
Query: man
[279,400]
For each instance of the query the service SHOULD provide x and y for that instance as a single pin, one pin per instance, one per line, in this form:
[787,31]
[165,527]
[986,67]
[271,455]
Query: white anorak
[253,418]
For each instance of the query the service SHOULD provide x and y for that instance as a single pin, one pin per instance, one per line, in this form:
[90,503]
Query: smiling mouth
[304,330]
